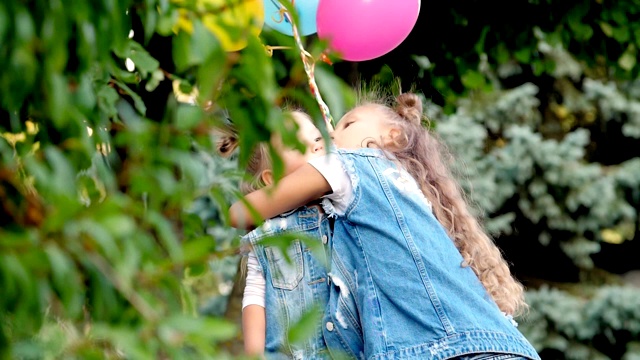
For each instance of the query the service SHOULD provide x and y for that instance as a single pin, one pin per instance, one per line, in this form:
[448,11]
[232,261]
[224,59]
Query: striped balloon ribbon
[309,66]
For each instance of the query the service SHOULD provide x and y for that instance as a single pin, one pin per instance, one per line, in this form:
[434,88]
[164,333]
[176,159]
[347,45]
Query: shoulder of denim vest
[302,219]
[351,159]
[366,152]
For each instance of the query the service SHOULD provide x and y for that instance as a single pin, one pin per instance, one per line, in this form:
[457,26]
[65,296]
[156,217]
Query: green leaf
[137,100]
[188,116]
[145,63]
[306,326]
[185,87]
[128,267]
[24,27]
[549,66]
[63,174]
[197,250]
[107,99]
[187,297]
[606,29]
[126,339]
[65,279]
[282,242]
[479,46]
[620,17]
[150,20]
[182,56]
[317,248]
[210,328]
[385,77]
[123,75]
[277,164]
[621,34]
[129,116]
[218,195]
[333,91]
[554,38]
[584,33]
[502,54]
[4,24]
[473,79]
[211,72]
[58,99]
[119,225]
[166,22]
[190,50]
[581,31]
[96,232]
[85,95]
[20,276]
[166,235]
[192,225]
[154,80]
[523,55]
[423,63]
[628,59]
[197,268]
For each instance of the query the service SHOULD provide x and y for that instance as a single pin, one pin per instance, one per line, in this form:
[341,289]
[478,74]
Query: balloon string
[281,12]
[280,17]
[270,48]
[309,68]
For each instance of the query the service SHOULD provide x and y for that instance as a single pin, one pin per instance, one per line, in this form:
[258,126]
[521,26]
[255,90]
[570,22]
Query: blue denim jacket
[398,288]
[293,287]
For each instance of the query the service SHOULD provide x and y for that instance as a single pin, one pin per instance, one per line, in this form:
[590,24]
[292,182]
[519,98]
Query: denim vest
[398,290]
[296,286]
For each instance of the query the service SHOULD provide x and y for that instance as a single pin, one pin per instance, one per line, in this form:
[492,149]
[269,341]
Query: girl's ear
[267,177]
[394,135]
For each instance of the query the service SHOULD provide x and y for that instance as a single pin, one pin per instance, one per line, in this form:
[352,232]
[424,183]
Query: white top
[341,195]
[254,287]
[332,169]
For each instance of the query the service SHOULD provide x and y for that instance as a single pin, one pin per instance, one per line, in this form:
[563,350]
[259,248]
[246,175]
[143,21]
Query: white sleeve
[255,287]
[331,168]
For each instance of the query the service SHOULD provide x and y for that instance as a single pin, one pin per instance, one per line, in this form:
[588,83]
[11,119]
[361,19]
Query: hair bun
[409,107]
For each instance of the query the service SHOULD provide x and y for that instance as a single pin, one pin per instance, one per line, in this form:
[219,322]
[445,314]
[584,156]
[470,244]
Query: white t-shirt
[341,195]
[255,286]
[332,169]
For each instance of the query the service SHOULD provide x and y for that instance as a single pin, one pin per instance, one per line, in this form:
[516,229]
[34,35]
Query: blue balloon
[306,10]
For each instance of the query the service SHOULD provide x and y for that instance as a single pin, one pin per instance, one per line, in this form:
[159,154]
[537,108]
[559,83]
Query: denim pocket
[285,274]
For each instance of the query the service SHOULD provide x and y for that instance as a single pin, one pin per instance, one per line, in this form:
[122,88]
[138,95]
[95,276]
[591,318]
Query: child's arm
[254,329]
[253,307]
[292,191]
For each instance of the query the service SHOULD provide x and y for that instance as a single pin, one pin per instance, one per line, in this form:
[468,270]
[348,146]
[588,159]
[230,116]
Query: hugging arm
[254,328]
[292,191]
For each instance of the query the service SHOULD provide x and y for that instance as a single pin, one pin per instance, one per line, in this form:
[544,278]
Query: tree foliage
[106,116]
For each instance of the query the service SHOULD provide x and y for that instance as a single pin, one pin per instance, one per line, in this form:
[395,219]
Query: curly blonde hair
[426,159]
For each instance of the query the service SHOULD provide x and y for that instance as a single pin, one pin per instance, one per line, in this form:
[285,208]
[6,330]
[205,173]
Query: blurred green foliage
[113,238]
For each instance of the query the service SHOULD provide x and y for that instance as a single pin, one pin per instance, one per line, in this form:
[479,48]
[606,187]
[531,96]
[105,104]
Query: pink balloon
[365,29]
